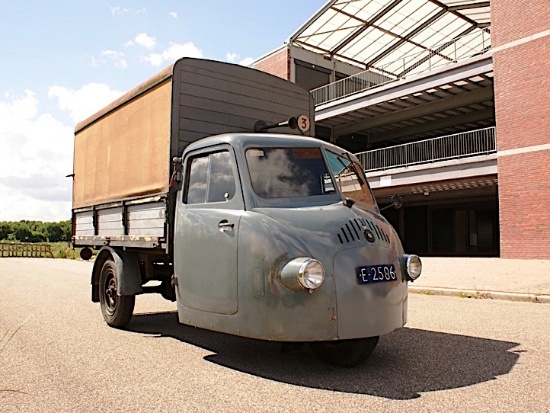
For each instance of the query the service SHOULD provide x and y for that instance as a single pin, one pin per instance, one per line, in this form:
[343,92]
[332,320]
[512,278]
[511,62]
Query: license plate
[376,273]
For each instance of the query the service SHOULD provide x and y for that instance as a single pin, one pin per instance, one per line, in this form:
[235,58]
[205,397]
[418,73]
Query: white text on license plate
[376,273]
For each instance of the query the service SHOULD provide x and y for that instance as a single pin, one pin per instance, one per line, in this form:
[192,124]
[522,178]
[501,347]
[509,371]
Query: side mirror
[396,202]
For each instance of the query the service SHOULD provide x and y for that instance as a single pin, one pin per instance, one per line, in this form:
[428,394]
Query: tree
[58,231]
[36,231]
[5,230]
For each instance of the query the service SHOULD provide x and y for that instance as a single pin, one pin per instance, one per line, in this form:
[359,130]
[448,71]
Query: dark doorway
[416,229]
[442,231]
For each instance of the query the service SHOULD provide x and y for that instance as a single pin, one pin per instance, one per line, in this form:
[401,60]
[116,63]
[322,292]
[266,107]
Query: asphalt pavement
[455,355]
[490,278]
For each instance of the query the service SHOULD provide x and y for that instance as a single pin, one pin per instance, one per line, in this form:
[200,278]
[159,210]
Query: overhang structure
[379,34]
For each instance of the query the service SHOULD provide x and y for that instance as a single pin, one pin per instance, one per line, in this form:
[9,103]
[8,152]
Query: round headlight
[303,273]
[311,274]
[414,266]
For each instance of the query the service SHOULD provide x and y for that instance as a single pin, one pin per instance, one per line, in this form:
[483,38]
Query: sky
[63,60]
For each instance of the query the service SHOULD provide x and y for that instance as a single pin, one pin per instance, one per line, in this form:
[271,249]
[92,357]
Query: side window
[350,178]
[196,186]
[221,182]
[210,179]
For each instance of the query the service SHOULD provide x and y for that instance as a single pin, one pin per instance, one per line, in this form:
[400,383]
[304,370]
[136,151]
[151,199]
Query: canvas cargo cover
[125,150]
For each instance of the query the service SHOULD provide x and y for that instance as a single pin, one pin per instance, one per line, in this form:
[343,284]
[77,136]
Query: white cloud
[173,14]
[231,57]
[234,57]
[116,57]
[247,61]
[146,41]
[106,56]
[117,10]
[87,100]
[37,151]
[174,52]
[35,158]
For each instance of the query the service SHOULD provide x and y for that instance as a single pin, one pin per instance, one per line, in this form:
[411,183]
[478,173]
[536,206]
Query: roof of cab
[264,140]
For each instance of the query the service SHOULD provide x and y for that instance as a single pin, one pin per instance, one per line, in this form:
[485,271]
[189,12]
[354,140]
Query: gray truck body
[273,236]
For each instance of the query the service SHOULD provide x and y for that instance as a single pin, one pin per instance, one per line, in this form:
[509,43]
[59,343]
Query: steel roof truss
[364,26]
[406,38]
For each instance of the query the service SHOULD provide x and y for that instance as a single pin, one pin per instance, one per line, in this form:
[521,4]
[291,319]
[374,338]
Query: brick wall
[522,94]
[277,64]
[522,107]
[524,195]
[515,19]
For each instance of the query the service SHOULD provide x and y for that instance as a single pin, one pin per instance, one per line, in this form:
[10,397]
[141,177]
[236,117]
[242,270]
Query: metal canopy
[396,36]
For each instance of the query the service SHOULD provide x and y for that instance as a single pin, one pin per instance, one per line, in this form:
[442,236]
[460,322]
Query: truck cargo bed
[139,223]
[123,154]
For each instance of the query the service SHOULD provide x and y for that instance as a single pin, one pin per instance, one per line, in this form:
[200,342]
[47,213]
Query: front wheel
[344,353]
[116,309]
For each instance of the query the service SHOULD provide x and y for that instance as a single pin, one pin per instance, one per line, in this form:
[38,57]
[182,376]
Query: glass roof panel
[408,16]
[379,32]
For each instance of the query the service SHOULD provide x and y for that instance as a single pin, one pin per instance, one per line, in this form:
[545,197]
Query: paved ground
[497,278]
[455,355]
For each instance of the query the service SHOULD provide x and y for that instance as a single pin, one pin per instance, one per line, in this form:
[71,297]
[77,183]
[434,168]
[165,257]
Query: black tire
[344,353]
[116,309]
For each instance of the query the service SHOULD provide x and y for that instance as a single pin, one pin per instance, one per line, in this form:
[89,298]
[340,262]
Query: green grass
[58,249]
[64,250]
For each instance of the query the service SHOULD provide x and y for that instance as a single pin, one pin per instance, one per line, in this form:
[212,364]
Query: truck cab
[279,238]
[272,236]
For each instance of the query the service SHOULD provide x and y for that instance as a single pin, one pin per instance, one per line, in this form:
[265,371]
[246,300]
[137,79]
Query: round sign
[303,123]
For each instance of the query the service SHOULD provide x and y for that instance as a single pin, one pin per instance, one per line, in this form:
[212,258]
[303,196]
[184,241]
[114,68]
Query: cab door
[206,236]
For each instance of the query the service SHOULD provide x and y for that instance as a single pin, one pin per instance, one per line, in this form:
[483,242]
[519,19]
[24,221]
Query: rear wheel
[344,353]
[117,309]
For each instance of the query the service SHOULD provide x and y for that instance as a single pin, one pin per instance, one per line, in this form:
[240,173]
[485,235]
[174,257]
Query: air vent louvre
[354,230]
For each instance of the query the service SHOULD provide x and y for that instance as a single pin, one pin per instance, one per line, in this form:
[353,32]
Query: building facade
[521,58]
[446,104]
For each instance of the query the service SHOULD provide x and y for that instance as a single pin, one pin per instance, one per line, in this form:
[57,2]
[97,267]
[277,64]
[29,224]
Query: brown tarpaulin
[125,154]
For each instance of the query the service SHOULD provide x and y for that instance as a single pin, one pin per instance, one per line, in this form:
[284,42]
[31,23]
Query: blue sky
[63,60]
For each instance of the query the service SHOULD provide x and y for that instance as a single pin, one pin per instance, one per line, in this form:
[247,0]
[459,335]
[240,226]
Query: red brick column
[521,58]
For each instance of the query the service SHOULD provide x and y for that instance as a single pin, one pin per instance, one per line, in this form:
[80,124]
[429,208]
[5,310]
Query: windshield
[288,172]
[350,178]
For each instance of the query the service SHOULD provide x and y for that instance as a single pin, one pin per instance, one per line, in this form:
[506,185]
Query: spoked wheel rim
[110,290]
[117,308]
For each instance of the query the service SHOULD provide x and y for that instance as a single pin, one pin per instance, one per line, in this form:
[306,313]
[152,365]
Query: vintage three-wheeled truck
[273,236]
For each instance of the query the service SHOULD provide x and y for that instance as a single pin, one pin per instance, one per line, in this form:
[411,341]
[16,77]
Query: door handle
[225,225]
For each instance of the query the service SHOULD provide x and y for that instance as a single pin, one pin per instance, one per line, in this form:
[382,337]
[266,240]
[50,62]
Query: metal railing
[470,45]
[458,145]
[19,249]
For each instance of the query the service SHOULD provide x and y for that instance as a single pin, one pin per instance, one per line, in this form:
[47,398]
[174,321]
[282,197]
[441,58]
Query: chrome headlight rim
[413,266]
[303,273]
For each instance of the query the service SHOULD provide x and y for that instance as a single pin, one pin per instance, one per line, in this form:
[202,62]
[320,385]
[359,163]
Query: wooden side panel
[147,219]
[211,98]
[109,222]
[126,153]
[84,224]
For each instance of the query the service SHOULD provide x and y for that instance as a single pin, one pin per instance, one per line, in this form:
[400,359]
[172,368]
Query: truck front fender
[127,271]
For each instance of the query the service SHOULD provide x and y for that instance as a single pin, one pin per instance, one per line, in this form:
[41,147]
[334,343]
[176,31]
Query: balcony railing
[459,145]
[465,47]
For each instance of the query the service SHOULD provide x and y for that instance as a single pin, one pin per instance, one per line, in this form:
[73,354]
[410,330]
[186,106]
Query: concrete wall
[521,57]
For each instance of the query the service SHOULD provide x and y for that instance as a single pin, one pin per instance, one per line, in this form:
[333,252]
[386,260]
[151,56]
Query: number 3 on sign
[303,123]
